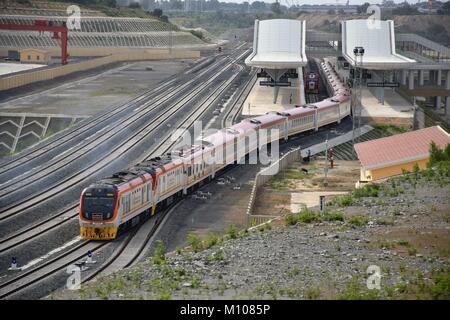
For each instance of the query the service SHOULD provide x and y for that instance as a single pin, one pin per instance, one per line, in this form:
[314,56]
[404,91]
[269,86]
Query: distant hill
[433,27]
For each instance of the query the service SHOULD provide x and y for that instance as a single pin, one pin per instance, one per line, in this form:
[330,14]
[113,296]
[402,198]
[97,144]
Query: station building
[32,55]
[386,157]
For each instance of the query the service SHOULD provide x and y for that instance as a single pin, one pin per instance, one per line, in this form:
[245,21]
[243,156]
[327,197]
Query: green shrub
[343,201]
[307,216]
[197,33]
[333,216]
[312,294]
[404,243]
[212,240]
[231,231]
[358,220]
[412,251]
[369,190]
[158,254]
[194,241]
[290,219]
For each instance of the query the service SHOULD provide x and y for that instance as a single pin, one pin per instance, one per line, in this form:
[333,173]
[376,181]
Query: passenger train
[123,199]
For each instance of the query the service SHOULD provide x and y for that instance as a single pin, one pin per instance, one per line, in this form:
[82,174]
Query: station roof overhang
[378,42]
[278,44]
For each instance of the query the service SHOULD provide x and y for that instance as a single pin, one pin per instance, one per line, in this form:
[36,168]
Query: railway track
[13,167]
[30,232]
[78,252]
[66,215]
[91,142]
[48,268]
[25,280]
[74,178]
[237,105]
[133,249]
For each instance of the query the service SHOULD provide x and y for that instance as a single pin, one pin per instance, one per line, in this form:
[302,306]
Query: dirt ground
[93,94]
[294,188]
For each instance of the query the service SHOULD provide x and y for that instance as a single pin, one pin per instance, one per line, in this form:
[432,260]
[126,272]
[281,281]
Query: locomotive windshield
[98,205]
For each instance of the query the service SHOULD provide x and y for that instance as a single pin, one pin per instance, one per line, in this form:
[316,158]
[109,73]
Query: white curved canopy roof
[278,44]
[378,40]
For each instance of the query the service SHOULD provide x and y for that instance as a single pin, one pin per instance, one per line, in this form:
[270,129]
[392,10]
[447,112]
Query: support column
[404,75]
[438,103]
[439,77]
[411,80]
[302,99]
[447,81]
[421,76]
[447,106]
[431,77]
[382,96]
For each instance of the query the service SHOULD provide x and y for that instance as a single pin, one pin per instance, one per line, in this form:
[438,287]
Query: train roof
[245,126]
[267,119]
[222,137]
[300,111]
[142,170]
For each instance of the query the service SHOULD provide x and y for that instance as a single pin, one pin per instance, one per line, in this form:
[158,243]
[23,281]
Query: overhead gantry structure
[279,51]
[44,25]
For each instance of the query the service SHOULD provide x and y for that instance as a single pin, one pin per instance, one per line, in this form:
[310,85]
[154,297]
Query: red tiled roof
[412,145]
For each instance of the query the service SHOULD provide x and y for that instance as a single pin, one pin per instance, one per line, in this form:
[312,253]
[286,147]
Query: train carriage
[122,200]
[113,202]
[301,119]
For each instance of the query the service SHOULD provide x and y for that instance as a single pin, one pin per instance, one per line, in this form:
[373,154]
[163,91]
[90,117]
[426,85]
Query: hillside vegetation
[433,27]
[399,227]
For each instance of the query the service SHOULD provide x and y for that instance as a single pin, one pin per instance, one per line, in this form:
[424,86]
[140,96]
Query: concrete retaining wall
[19,80]
[262,177]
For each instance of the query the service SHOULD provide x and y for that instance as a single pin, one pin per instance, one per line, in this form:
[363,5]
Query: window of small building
[29,57]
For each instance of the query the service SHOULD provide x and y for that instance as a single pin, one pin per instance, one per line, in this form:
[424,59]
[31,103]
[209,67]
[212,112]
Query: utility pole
[357,97]
[325,181]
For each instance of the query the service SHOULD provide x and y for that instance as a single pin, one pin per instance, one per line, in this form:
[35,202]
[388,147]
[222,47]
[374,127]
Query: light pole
[357,98]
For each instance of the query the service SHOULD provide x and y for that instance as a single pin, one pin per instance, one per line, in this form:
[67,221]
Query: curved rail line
[70,213]
[100,163]
[78,252]
[67,135]
[99,137]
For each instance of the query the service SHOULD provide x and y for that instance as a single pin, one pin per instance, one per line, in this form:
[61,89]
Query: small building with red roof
[386,157]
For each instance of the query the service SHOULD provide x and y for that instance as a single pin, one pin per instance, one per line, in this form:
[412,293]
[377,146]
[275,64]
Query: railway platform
[259,100]
[395,110]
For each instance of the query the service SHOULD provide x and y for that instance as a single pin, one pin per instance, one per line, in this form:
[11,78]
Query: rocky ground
[399,228]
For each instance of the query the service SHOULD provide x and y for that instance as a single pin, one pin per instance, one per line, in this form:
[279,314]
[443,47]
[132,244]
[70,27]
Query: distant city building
[327,8]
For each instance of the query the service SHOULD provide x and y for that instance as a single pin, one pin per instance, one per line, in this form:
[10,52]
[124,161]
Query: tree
[164,18]
[363,8]
[157,12]
[258,5]
[446,8]
[405,9]
[275,7]
[135,5]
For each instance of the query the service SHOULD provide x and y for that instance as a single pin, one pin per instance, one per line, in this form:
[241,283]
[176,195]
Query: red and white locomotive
[312,82]
[126,197]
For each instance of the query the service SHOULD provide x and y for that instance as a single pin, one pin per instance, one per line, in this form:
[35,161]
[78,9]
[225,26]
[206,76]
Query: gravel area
[405,233]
